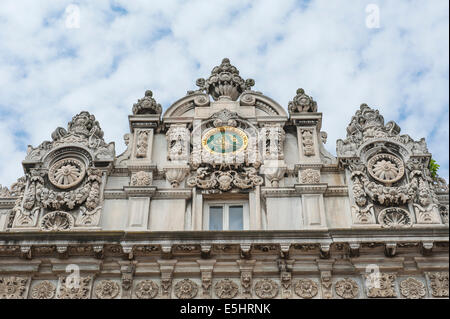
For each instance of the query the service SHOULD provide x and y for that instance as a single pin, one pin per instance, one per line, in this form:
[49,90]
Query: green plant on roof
[434,167]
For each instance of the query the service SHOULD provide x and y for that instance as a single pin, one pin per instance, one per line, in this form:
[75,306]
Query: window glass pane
[215,218]
[236,218]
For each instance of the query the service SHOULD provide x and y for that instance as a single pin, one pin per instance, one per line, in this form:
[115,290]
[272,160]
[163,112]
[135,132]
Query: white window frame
[225,215]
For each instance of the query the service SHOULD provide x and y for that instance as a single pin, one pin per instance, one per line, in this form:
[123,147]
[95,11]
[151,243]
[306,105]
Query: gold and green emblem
[225,140]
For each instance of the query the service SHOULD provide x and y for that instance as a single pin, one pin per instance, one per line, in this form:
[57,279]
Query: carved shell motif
[57,221]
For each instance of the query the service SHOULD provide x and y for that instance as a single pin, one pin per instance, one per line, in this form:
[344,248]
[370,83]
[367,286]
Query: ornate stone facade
[250,203]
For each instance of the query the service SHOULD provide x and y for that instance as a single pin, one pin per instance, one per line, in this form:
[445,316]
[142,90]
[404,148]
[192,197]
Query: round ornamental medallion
[225,140]
[66,173]
[57,221]
[386,168]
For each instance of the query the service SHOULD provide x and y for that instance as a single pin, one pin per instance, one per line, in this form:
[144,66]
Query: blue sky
[49,72]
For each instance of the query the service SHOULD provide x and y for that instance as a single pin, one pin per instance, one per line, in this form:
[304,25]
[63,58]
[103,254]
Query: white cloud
[49,73]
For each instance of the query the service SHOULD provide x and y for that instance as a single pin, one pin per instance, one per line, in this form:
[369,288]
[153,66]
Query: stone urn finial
[225,82]
[147,105]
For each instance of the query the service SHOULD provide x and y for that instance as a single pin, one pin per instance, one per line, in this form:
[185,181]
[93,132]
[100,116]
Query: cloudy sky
[53,66]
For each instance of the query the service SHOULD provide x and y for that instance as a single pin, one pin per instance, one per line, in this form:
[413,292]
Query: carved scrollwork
[225,180]
[226,289]
[13,287]
[380,285]
[68,289]
[439,284]
[141,178]
[310,176]
[412,288]
[266,289]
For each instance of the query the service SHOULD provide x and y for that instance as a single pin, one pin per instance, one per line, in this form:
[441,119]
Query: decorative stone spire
[147,105]
[225,82]
[302,103]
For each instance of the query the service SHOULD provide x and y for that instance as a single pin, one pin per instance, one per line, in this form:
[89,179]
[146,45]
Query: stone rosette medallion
[226,289]
[386,168]
[347,288]
[107,289]
[66,173]
[306,288]
[43,290]
[186,289]
[146,289]
[266,289]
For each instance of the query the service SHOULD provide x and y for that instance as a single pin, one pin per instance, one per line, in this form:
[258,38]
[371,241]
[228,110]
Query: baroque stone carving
[308,142]
[57,221]
[43,290]
[310,176]
[368,125]
[107,289]
[66,173]
[147,105]
[386,168]
[246,283]
[225,81]
[412,288]
[226,289]
[273,137]
[327,283]
[347,288]
[439,284]
[380,285]
[176,174]
[394,217]
[82,130]
[178,143]
[13,287]
[302,103]
[77,290]
[186,289]
[142,144]
[306,288]
[266,289]
[146,289]
[206,178]
[141,178]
